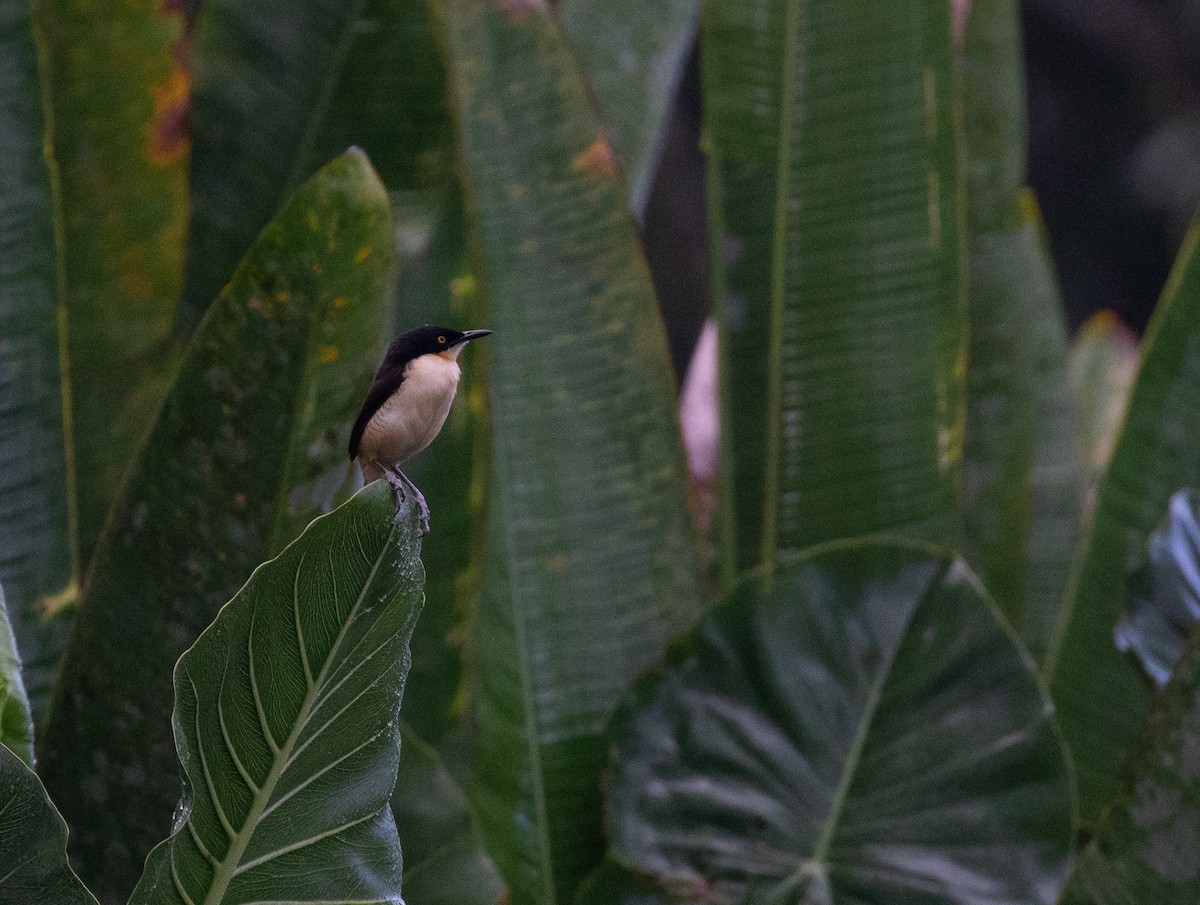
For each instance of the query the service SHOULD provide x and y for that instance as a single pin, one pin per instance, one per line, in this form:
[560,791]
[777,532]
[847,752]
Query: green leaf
[633,55]
[1166,591]
[33,842]
[249,447]
[35,544]
[287,722]
[444,860]
[868,730]
[1055,484]
[280,88]
[612,884]
[834,192]
[592,564]
[1100,692]
[1145,851]
[16,727]
[432,291]
[1104,361]
[117,89]
[1016,379]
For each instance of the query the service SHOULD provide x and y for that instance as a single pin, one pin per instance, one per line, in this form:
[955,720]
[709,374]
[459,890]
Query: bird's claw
[400,483]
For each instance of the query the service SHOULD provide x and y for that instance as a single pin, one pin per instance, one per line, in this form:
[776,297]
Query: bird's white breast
[412,416]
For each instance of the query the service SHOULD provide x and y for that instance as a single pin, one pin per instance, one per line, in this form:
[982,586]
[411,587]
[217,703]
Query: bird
[407,405]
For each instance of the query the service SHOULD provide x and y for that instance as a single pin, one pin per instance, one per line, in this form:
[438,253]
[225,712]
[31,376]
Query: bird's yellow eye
[442,339]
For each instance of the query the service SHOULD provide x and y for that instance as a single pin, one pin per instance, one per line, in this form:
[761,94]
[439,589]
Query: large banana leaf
[1014,360]
[287,721]
[591,564]
[1100,692]
[444,860]
[117,87]
[839,270]
[16,727]
[633,55]
[1145,851]
[33,842]
[281,87]
[249,447]
[35,548]
[869,730]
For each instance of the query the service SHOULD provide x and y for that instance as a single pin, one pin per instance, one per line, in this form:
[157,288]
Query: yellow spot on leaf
[318,270]
[283,296]
[329,354]
[314,222]
[341,302]
[462,288]
[596,160]
[363,254]
[558,563]
[167,133]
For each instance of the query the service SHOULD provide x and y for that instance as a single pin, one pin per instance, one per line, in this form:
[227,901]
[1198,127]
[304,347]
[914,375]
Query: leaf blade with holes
[784,753]
[33,842]
[287,713]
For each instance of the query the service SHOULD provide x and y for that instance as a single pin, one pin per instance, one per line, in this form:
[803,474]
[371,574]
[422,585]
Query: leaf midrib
[817,863]
[225,871]
[774,416]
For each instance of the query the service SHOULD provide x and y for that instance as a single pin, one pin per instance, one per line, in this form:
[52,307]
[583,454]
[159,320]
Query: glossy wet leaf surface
[836,219]
[444,859]
[118,86]
[1145,850]
[35,546]
[1101,693]
[249,447]
[16,727]
[283,87]
[1165,604]
[287,719]
[33,842]
[867,731]
[591,564]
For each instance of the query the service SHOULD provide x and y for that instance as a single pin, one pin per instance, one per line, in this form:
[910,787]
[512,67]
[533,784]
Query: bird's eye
[442,339]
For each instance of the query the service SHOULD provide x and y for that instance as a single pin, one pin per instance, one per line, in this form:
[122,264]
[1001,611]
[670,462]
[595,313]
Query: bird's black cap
[426,340]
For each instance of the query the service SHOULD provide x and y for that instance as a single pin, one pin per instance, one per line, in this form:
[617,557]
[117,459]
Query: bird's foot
[398,486]
[403,481]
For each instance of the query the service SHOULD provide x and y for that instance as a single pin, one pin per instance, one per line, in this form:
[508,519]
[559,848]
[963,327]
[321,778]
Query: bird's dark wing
[385,384]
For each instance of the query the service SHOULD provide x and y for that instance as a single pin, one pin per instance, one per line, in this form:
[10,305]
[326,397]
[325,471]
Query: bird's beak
[469,335]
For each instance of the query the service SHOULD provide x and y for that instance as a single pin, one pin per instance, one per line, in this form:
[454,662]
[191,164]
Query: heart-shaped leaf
[867,731]
[33,842]
[287,722]
[249,447]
